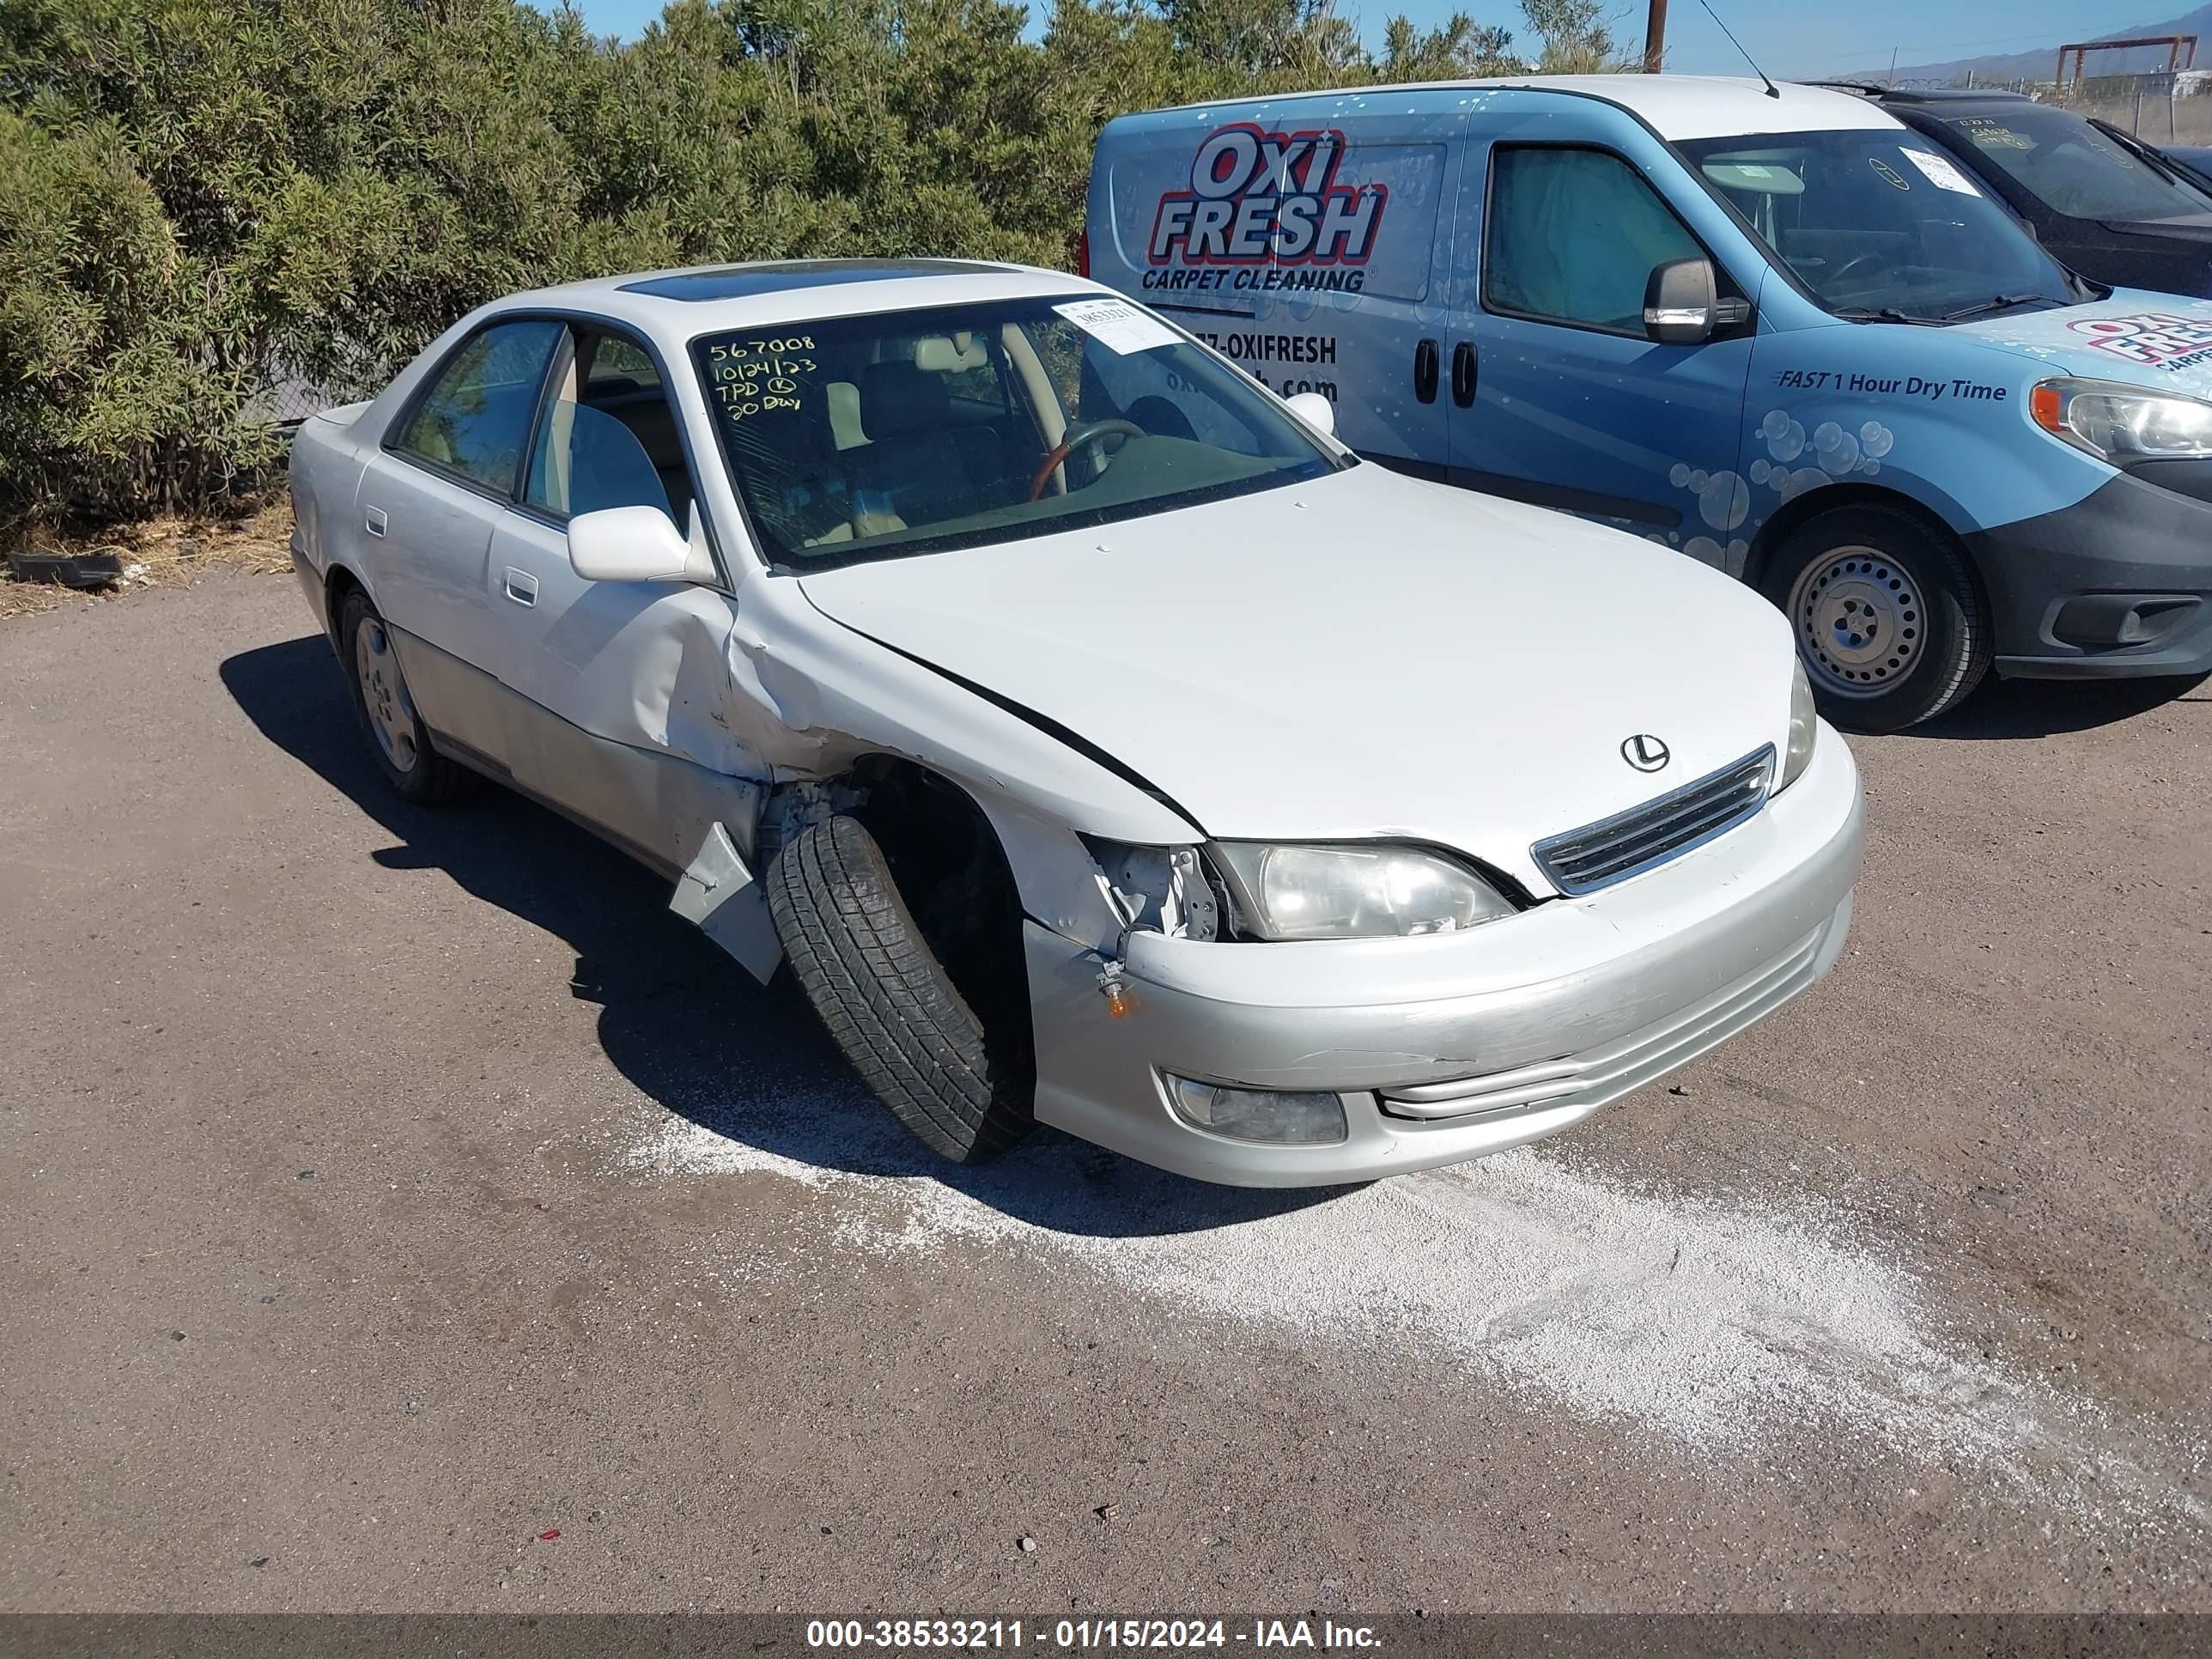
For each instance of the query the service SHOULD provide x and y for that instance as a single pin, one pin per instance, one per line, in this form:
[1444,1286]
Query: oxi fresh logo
[1255,195]
[2154,339]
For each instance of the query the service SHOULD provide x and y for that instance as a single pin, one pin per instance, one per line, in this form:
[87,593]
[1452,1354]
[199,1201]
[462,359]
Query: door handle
[1425,371]
[521,587]
[375,521]
[1464,364]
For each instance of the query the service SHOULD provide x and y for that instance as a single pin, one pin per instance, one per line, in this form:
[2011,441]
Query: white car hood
[1362,656]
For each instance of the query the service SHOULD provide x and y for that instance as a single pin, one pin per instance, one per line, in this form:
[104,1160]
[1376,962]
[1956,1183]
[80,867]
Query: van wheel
[398,741]
[864,963]
[1887,618]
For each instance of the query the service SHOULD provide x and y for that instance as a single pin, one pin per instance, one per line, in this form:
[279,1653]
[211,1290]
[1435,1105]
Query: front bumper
[1448,1048]
[2117,585]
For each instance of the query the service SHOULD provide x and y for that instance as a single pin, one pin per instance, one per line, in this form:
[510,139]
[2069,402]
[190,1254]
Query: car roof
[682,304]
[1673,105]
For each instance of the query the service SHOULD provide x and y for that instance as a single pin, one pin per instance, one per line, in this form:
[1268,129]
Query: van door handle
[374,521]
[521,587]
[1464,364]
[1425,359]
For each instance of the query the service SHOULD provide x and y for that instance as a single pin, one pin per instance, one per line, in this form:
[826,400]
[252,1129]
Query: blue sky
[1788,37]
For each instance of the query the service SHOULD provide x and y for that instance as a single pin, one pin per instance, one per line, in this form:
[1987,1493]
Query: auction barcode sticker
[1117,325]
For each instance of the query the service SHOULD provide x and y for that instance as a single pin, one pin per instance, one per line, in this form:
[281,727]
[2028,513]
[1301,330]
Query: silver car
[1104,744]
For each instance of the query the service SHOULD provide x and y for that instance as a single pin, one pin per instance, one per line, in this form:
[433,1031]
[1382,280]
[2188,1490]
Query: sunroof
[740,281]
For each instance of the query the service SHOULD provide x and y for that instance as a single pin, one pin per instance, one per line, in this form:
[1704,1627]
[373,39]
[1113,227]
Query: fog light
[1287,1120]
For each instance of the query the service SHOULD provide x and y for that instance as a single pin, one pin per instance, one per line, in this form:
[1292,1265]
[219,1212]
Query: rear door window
[474,422]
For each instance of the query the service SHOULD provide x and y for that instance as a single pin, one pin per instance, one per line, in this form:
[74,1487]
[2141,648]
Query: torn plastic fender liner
[719,896]
[1059,883]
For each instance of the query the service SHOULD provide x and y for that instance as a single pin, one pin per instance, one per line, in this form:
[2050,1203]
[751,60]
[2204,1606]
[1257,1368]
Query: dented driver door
[621,687]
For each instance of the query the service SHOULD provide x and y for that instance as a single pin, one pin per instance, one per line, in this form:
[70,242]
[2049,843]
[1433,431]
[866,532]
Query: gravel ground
[406,1212]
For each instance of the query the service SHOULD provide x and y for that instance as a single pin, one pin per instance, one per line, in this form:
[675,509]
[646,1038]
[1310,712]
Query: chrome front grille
[1629,843]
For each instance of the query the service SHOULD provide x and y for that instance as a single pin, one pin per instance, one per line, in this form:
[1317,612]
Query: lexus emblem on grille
[1645,752]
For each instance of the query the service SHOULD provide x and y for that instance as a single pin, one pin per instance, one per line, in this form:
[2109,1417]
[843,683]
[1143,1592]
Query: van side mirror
[1682,305]
[1681,300]
[1316,411]
[634,544]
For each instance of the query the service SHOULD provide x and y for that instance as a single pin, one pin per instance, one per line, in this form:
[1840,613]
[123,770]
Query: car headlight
[1804,728]
[1353,892]
[2123,424]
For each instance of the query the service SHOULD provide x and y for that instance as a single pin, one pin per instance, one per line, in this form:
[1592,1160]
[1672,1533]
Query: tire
[398,741]
[863,962]
[1888,616]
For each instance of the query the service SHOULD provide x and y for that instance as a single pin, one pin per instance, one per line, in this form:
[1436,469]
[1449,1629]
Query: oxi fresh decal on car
[1267,199]
[2156,339]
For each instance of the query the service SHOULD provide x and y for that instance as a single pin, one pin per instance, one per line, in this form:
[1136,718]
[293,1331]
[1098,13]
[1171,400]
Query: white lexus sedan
[1105,746]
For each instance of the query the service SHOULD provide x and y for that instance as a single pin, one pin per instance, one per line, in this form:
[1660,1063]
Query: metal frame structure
[2180,54]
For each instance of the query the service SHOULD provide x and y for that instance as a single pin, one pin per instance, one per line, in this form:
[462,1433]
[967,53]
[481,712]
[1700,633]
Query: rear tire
[862,960]
[1887,615]
[397,740]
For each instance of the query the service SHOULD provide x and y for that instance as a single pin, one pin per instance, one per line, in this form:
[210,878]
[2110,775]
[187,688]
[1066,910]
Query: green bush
[203,202]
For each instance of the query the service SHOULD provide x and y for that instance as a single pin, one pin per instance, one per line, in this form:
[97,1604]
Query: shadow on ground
[680,1020]
[2043,708]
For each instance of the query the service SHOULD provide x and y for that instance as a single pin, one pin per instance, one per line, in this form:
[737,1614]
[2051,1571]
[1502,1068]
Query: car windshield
[882,436]
[2067,164]
[1878,223]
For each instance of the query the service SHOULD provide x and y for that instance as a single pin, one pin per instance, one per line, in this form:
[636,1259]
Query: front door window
[1572,236]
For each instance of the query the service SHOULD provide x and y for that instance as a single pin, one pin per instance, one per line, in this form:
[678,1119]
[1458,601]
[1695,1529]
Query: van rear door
[1304,238]
[1566,206]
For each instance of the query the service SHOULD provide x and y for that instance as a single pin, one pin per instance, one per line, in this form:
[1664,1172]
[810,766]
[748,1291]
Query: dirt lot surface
[404,1211]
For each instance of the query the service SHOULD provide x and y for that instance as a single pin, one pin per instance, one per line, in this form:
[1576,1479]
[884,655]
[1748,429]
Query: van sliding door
[1309,241]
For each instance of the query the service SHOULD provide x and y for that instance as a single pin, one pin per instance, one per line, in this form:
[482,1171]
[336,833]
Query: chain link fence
[2166,107]
[2160,106]
[290,398]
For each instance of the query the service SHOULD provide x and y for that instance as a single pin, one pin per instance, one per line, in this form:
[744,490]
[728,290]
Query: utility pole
[1655,37]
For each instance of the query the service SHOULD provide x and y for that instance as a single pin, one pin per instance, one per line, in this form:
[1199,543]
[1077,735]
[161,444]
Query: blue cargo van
[1774,330]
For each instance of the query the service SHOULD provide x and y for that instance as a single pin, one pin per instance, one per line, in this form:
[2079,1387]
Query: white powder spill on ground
[1711,1322]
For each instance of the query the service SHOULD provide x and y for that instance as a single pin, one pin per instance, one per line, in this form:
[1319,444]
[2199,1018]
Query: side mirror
[1681,302]
[633,544]
[1316,411]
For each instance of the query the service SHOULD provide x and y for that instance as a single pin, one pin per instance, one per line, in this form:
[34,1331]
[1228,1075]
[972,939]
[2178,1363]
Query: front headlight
[2123,424]
[1804,729]
[1353,892]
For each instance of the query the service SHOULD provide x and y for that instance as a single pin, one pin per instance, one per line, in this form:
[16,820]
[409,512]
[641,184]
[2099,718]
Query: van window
[1877,224]
[1571,236]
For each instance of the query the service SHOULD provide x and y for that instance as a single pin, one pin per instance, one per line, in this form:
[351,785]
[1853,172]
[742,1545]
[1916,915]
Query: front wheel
[1887,618]
[865,963]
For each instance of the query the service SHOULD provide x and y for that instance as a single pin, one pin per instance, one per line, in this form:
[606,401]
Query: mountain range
[2042,63]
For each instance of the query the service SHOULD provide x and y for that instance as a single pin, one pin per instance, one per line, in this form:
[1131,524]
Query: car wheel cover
[1861,624]
[383,695]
